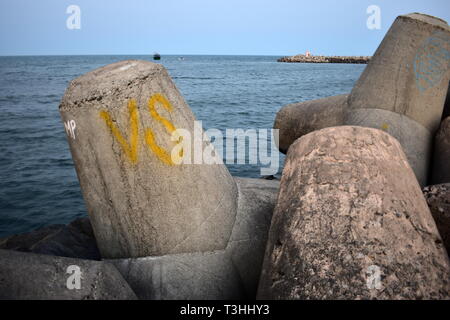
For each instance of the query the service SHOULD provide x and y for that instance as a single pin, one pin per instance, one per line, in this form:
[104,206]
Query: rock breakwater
[325,59]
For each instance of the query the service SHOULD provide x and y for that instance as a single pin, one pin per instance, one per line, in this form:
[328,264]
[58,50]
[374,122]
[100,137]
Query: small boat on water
[156,56]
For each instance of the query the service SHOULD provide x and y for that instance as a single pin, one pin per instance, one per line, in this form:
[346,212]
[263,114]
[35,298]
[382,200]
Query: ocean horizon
[39,186]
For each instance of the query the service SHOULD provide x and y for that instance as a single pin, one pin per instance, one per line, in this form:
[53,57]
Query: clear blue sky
[259,27]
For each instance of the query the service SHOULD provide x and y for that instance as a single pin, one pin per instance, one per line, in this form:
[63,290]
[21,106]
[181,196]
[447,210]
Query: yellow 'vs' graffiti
[131,147]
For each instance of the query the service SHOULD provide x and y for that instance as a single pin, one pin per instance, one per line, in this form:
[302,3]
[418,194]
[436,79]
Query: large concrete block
[409,76]
[229,274]
[409,73]
[29,276]
[351,222]
[440,171]
[414,138]
[296,120]
[119,121]
[438,199]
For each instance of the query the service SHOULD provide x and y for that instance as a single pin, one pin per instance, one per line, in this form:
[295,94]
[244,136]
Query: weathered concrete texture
[29,276]
[414,138]
[228,274]
[438,198]
[296,120]
[440,171]
[75,240]
[409,73]
[350,209]
[141,204]
[196,276]
[409,76]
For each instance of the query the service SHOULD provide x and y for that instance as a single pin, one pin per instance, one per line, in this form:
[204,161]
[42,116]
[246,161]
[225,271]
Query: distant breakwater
[324,59]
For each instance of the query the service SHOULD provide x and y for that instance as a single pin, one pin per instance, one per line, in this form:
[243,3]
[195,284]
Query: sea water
[38,183]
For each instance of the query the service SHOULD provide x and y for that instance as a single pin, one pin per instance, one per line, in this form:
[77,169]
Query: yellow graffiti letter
[131,148]
[162,154]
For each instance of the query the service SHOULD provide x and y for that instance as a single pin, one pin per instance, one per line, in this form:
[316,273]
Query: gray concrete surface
[232,273]
[119,120]
[75,240]
[297,119]
[29,276]
[409,73]
[409,76]
[415,139]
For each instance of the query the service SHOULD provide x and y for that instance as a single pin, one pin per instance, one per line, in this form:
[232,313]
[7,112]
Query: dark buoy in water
[156,56]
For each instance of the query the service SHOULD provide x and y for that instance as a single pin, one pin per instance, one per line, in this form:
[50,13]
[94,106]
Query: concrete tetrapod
[29,276]
[407,76]
[173,230]
[119,120]
[75,240]
[415,139]
[229,274]
[297,119]
[351,222]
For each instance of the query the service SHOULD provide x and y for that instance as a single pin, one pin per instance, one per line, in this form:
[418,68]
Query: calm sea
[38,184]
